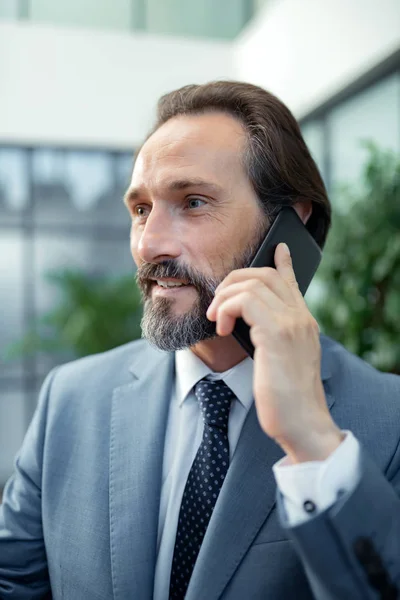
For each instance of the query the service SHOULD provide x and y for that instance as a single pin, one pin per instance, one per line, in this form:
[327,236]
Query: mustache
[173,269]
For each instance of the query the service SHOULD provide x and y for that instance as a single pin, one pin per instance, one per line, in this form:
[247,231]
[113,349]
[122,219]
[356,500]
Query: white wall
[103,14]
[71,86]
[305,51]
[76,86]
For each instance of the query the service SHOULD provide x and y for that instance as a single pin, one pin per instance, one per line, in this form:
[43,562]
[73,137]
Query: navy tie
[204,482]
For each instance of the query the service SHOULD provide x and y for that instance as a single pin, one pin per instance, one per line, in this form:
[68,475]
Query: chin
[180,305]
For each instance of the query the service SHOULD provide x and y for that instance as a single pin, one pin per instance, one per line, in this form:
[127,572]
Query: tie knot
[215,399]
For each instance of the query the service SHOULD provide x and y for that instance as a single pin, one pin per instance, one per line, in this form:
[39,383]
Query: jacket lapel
[138,423]
[245,502]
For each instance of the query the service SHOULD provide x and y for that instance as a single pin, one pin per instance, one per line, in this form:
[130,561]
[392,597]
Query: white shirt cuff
[310,488]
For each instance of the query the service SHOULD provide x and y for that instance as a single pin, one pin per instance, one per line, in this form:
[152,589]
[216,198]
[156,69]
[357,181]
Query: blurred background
[79,81]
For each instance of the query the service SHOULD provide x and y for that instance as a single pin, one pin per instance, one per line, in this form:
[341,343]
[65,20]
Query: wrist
[313,445]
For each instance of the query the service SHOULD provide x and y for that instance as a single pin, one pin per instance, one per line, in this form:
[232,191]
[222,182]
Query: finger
[267,275]
[240,305]
[284,266]
[253,286]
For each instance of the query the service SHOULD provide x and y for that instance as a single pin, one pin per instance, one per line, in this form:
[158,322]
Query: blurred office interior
[79,81]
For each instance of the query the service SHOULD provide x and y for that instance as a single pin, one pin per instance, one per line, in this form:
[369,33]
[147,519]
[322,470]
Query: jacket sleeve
[23,564]
[352,549]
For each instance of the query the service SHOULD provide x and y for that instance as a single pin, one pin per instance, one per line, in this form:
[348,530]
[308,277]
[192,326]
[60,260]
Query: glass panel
[14,185]
[87,176]
[70,186]
[223,19]
[124,167]
[12,429]
[107,14]
[51,198]
[55,253]
[313,134]
[110,210]
[11,298]
[258,5]
[9,9]
[139,11]
[371,115]
[92,256]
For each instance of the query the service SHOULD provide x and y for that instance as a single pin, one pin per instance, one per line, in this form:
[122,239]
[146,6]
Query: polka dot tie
[204,482]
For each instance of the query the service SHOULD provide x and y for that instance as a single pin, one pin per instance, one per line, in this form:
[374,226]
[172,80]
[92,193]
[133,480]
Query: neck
[220,353]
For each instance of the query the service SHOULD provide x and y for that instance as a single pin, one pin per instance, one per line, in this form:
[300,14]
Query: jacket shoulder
[115,359]
[351,370]
[91,380]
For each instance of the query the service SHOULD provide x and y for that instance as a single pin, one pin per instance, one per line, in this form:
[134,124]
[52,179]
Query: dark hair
[277,160]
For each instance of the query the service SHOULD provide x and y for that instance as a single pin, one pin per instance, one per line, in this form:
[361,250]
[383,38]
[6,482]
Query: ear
[303,209]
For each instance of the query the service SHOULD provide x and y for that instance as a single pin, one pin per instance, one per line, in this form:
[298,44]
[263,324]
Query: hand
[287,386]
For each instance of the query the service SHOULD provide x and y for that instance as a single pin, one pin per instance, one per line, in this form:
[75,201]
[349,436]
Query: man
[149,471]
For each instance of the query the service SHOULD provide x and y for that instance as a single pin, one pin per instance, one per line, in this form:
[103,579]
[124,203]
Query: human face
[195,218]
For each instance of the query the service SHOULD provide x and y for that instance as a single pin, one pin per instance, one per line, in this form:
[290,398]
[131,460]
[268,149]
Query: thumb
[284,265]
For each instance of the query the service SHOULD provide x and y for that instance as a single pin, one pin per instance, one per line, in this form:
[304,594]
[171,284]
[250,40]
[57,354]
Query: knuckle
[251,285]
[283,328]
[290,328]
[313,325]
[287,332]
[247,295]
[270,274]
[220,311]
[258,334]
[233,275]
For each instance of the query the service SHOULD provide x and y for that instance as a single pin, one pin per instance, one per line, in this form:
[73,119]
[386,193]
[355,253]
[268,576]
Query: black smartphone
[306,256]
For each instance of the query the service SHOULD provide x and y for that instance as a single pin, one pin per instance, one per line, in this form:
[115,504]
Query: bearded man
[178,467]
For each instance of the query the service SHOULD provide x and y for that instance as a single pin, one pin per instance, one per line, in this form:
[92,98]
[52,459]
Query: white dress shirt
[320,482]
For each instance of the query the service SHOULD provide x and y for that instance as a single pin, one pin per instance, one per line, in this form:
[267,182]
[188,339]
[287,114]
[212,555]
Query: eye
[140,211]
[194,200]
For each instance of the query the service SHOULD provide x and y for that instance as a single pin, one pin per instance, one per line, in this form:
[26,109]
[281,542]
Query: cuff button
[309,506]
[340,493]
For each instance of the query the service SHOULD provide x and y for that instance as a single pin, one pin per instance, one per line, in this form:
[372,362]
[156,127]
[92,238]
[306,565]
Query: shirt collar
[190,369]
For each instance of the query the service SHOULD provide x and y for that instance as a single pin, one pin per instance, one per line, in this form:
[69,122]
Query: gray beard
[169,332]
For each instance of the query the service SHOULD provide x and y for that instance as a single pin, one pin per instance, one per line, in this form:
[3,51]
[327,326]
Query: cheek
[214,253]
[229,246]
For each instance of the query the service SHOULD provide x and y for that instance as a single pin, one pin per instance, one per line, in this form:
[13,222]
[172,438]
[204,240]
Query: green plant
[359,277]
[95,314]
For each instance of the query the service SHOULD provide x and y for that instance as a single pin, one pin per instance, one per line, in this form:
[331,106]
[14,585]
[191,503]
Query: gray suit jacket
[79,516]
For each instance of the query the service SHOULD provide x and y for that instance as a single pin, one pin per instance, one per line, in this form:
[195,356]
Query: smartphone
[306,256]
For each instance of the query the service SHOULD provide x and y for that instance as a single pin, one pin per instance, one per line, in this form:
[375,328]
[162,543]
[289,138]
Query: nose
[159,240]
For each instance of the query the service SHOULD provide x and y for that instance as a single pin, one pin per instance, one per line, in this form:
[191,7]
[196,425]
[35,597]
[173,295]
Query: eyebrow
[176,185]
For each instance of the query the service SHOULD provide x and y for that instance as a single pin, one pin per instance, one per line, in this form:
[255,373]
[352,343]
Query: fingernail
[286,248]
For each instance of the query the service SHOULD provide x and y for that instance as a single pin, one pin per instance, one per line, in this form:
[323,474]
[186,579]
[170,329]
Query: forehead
[208,145]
